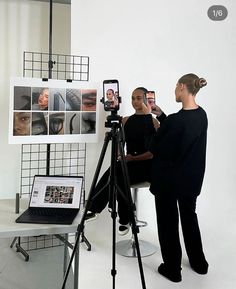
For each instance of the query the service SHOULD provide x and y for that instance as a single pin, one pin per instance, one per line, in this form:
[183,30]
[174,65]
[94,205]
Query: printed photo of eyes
[89,97]
[53,111]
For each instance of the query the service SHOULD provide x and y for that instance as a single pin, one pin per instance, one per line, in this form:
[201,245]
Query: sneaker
[123,229]
[91,216]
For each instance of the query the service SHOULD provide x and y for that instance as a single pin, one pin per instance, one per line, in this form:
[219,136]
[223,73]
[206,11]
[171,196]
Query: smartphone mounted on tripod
[111,98]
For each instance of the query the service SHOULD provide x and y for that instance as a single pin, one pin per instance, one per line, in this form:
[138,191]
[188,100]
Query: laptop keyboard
[48,216]
[50,212]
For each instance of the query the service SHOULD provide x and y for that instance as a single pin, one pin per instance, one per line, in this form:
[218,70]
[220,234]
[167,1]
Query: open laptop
[53,200]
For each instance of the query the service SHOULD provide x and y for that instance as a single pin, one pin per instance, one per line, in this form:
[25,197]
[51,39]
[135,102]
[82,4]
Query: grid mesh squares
[63,159]
[58,66]
[53,159]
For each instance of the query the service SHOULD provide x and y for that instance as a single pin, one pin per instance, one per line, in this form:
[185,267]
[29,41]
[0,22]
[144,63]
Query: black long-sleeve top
[179,149]
[139,129]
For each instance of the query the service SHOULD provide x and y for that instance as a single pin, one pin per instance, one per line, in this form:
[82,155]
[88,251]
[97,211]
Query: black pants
[168,208]
[139,171]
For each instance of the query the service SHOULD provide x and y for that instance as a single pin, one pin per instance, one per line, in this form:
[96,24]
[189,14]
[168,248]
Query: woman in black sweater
[138,129]
[179,150]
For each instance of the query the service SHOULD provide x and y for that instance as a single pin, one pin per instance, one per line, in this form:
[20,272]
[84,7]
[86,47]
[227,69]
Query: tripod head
[113,120]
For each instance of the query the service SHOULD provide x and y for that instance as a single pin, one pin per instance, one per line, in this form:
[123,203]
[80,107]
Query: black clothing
[179,148]
[138,131]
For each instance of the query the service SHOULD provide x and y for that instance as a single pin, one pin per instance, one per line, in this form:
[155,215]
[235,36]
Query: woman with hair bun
[179,149]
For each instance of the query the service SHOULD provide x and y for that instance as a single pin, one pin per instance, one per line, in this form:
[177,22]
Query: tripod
[115,135]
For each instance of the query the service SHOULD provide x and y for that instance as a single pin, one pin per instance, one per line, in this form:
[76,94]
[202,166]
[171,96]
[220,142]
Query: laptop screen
[56,192]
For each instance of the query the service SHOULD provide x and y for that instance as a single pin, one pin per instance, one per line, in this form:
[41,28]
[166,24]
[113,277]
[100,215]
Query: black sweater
[179,149]
[139,129]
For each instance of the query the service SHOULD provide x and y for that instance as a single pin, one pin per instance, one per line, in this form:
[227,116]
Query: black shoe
[172,276]
[90,216]
[200,268]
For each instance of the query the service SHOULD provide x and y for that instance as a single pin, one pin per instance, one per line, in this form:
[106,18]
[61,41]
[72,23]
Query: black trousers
[168,208]
[138,171]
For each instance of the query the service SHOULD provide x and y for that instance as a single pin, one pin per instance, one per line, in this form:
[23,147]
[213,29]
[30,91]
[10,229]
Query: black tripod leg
[80,228]
[118,143]
[112,200]
[131,210]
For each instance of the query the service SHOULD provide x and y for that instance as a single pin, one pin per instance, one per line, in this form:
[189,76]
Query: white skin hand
[146,108]
[156,110]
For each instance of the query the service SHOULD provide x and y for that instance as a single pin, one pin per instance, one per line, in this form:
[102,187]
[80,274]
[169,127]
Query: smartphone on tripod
[111,97]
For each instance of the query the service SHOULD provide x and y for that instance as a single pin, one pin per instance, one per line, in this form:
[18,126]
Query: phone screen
[111,94]
[151,99]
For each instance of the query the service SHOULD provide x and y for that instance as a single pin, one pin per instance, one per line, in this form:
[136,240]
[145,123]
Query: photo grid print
[53,111]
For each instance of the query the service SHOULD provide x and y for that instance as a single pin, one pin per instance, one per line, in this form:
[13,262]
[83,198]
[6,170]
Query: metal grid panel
[64,67]
[64,159]
[39,242]
[53,159]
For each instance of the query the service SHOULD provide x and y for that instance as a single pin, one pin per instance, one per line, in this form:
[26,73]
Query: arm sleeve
[165,140]
[161,117]
[149,131]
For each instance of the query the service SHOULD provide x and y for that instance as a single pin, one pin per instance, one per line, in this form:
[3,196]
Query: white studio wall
[24,26]
[152,43]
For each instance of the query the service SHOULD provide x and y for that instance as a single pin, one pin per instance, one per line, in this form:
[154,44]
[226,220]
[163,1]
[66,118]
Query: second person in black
[179,150]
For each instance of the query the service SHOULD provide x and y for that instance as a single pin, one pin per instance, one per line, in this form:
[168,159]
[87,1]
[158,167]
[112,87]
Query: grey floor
[44,269]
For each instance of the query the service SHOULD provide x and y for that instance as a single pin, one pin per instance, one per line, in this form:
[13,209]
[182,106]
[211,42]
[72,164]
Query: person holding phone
[179,149]
[138,130]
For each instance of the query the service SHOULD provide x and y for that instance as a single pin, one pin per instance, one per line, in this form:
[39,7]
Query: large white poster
[52,111]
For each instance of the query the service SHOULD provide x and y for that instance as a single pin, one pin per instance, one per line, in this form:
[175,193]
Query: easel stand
[116,136]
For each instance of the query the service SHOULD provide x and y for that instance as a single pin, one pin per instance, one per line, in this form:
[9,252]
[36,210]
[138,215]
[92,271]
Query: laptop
[53,200]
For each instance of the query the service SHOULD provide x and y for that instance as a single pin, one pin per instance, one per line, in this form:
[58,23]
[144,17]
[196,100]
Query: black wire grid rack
[65,159]
[54,159]
[56,66]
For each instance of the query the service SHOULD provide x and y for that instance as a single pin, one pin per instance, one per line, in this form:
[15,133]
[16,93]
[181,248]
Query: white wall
[152,43]
[24,26]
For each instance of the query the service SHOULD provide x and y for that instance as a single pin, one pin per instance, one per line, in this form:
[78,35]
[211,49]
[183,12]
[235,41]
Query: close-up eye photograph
[89,100]
[39,123]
